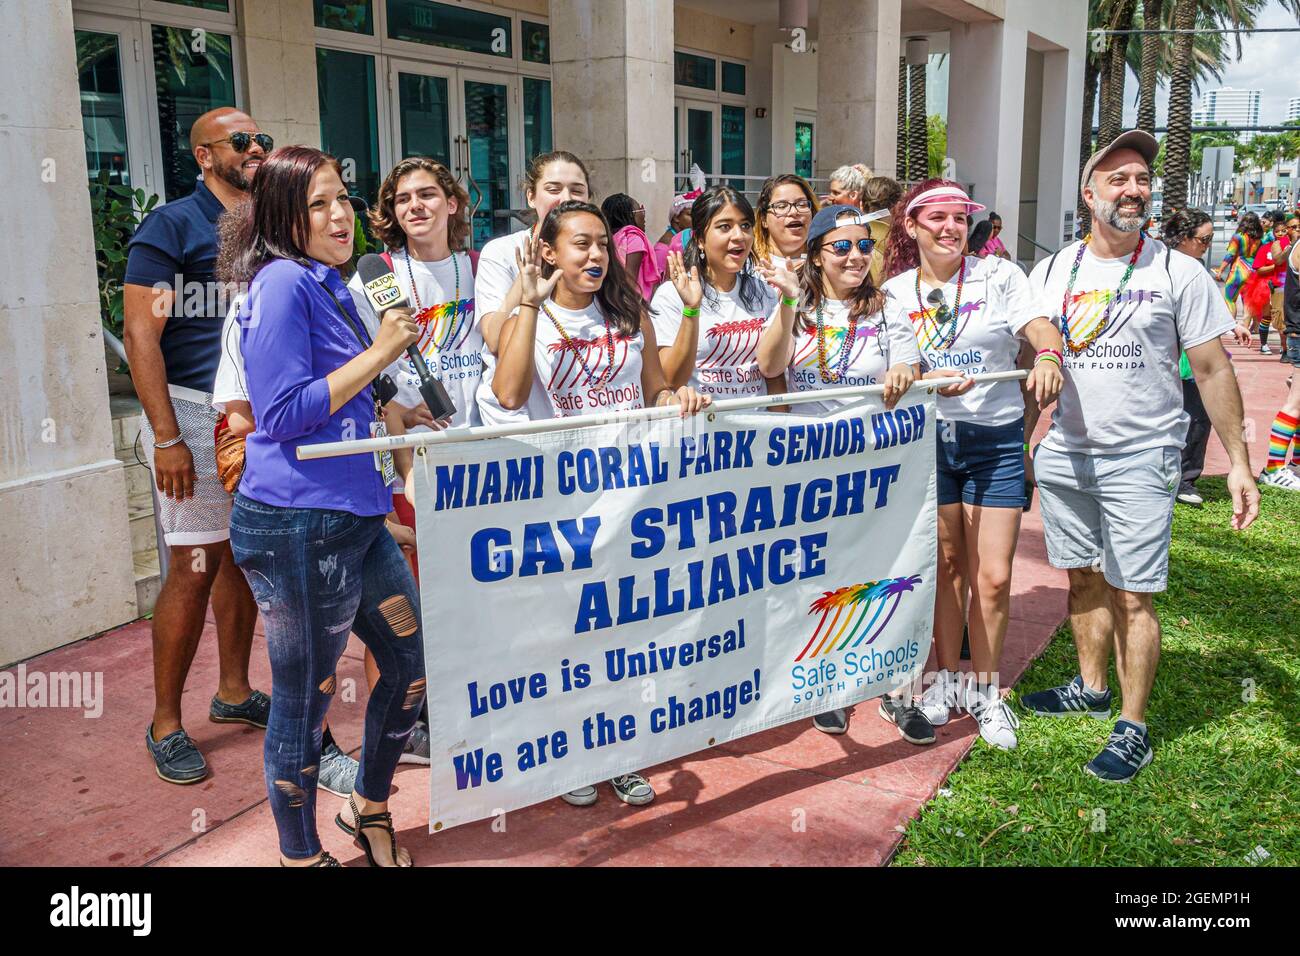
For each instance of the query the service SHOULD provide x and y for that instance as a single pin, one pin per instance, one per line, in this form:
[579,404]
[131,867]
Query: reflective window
[440,24]
[536,40]
[487,128]
[103,107]
[803,149]
[425,116]
[694,70]
[537,117]
[354,17]
[222,5]
[733,144]
[193,73]
[349,125]
[733,78]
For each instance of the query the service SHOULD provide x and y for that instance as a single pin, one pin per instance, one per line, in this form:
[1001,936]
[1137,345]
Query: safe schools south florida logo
[853,603]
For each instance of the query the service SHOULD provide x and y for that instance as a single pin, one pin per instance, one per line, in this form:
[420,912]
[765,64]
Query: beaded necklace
[415,292]
[592,379]
[1075,346]
[846,348]
[948,336]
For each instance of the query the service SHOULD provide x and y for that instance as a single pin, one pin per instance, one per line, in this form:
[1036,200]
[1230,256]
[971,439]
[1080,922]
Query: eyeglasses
[1204,240]
[240,141]
[784,208]
[842,247]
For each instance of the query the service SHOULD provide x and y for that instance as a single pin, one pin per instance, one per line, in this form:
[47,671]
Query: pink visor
[944,195]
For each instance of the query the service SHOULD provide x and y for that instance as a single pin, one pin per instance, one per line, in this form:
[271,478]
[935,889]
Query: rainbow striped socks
[1279,440]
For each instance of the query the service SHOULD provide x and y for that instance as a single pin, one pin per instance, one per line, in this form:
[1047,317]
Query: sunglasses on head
[842,247]
[240,142]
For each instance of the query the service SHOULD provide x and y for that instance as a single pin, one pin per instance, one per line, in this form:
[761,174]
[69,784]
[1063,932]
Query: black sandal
[359,838]
[325,860]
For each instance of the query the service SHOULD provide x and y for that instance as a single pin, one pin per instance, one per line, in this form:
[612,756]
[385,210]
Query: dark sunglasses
[842,247]
[240,142]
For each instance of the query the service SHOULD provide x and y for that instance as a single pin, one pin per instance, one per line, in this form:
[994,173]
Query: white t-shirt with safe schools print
[1123,392]
[450,340]
[996,304]
[497,270]
[877,346]
[726,355]
[573,365]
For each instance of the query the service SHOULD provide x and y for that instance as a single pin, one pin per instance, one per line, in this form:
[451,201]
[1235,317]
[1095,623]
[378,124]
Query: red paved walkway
[90,795]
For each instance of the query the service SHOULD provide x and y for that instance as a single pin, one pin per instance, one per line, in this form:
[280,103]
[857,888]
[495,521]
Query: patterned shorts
[203,518]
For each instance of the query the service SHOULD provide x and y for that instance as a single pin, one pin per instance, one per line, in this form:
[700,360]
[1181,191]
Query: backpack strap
[388,258]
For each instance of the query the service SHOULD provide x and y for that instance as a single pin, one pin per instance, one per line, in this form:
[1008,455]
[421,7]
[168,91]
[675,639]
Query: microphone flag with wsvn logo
[600,600]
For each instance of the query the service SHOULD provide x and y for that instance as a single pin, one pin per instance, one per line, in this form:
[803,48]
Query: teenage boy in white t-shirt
[1109,468]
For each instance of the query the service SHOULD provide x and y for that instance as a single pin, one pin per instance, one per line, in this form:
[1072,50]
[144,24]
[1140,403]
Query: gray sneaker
[417,746]
[832,722]
[582,797]
[338,771]
[633,788]
[175,757]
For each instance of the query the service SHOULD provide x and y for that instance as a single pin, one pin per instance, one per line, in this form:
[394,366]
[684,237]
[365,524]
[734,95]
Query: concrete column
[612,81]
[1058,150]
[857,84]
[65,554]
[985,112]
[280,65]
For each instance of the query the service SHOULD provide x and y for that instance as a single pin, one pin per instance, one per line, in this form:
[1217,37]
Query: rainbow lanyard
[1073,345]
[569,344]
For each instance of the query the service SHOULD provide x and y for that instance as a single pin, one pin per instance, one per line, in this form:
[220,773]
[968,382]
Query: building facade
[1229,107]
[641,89]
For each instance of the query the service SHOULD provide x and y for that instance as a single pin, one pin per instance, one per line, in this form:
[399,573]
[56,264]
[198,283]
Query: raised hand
[534,289]
[685,281]
[782,278]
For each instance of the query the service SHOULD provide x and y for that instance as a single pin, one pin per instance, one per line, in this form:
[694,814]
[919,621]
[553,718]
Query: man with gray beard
[1110,466]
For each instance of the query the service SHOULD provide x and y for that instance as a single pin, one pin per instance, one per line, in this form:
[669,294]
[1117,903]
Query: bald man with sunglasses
[174,310]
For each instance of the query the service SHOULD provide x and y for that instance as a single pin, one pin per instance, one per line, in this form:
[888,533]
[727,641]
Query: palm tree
[1090,77]
[917,148]
[1149,73]
[1178,143]
[1114,67]
[900,153]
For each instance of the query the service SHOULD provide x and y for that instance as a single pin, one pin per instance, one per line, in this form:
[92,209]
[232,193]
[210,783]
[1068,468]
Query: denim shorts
[980,464]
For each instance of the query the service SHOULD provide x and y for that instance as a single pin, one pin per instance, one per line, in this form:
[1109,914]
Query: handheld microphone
[383,293]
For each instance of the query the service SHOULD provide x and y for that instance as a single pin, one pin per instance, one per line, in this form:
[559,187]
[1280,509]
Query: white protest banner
[601,600]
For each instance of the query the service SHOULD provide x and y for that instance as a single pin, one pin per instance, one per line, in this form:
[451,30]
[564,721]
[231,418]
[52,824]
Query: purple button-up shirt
[292,337]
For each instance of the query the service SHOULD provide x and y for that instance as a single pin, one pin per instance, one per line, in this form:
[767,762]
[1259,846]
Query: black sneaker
[255,711]
[176,758]
[832,722]
[911,723]
[1068,701]
[1127,752]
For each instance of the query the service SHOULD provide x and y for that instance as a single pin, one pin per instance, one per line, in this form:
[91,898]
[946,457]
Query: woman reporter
[309,535]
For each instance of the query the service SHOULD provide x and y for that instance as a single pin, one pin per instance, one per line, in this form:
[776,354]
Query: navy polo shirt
[176,248]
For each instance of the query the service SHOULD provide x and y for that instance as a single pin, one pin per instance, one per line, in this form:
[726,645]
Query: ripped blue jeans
[316,575]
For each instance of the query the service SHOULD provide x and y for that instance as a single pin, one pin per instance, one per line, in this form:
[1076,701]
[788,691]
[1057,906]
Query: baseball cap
[830,218]
[1136,139]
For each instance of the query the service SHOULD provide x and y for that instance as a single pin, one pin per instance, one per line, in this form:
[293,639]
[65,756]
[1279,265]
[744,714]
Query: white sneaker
[1281,478]
[940,697]
[996,721]
[1265,350]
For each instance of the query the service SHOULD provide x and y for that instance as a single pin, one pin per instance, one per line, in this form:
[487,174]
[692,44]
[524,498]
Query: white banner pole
[363,446]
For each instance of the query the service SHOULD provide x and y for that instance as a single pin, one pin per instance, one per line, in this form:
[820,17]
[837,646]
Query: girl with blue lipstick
[582,342]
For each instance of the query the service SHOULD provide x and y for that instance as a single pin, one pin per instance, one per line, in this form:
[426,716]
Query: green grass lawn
[1224,719]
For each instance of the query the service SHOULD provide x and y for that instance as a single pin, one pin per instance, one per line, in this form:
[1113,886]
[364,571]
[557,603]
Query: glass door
[805,144]
[697,136]
[111,78]
[423,112]
[462,119]
[485,147]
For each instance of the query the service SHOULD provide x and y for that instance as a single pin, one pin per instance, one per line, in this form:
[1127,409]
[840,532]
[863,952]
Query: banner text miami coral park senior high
[685,524]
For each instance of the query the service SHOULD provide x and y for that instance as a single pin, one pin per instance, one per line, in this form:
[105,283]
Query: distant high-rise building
[1293,108]
[1231,108]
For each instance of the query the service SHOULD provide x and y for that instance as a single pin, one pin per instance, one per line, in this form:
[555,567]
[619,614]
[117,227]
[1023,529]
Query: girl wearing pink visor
[970,316]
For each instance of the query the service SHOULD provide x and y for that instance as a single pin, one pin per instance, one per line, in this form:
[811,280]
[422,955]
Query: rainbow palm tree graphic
[862,598]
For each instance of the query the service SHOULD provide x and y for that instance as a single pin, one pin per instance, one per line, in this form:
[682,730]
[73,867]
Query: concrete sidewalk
[789,796]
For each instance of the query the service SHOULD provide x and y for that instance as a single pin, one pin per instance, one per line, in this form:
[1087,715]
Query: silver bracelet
[168,444]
